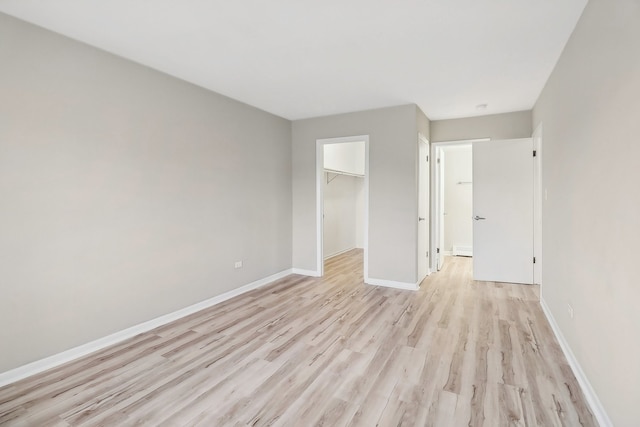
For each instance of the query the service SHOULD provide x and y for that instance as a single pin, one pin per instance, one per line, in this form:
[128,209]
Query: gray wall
[125,194]
[392,181]
[591,220]
[495,126]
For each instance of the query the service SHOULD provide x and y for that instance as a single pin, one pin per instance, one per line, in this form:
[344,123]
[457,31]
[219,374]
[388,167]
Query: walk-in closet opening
[342,198]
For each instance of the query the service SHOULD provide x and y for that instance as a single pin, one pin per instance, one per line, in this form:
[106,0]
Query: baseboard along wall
[392,284]
[592,398]
[66,356]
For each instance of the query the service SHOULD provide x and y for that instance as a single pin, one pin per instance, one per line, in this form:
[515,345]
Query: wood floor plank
[328,351]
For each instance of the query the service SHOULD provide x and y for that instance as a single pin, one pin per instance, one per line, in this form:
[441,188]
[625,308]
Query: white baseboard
[392,284]
[447,253]
[462,250]
[304,272]
[338,253]
[50,362]
[585,385]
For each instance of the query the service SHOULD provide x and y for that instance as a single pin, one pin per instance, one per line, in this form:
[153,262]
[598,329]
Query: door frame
[427,150]
[537,204]
[440,171]
[436,205]
[320,143]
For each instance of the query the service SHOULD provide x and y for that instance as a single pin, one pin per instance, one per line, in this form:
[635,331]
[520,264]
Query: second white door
[503,211]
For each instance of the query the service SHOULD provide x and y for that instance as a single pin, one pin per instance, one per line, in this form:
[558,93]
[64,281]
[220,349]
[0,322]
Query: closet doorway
[342,188]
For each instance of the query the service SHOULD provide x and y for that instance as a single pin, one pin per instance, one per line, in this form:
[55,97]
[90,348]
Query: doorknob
[478,217]
[420,218]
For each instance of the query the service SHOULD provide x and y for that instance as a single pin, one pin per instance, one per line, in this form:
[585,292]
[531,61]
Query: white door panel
[503,196]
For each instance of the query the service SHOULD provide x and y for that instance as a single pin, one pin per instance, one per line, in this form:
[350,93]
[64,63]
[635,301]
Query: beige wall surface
[495,126]
[392,182]
[125,194]
[590,112]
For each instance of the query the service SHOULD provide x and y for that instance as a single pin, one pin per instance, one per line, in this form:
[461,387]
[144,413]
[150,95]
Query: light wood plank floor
[331,352]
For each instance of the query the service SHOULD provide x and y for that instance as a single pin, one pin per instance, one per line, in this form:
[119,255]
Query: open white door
[423,208]
[503,211]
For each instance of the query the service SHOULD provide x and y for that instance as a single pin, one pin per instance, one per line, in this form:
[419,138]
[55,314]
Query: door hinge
[438,161]
[427,254]
[534,260]
[427,158]
[438,250]
[534,153]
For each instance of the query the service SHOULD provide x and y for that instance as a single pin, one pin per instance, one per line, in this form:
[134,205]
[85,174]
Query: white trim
[446,253]
[462,250]
[339,253]
[585,385]
[537,204]
[393,284]
[320,199]
[50,362]
[419,166]
[319,207]
[304,272]
[461,141]
[365,240]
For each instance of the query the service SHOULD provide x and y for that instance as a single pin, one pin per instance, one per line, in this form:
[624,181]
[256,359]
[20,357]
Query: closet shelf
[337,172]
[343,173]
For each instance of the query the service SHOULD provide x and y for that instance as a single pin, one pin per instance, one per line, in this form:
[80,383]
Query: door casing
[423,250]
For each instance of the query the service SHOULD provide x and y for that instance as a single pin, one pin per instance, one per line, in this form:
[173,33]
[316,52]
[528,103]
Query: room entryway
[453,201]
[484,207]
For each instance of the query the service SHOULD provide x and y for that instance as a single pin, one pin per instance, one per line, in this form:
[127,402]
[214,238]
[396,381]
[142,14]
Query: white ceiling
[306,58]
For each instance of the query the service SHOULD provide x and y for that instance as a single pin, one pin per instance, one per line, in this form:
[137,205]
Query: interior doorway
[342,188]
[452,200]
[506,188]
[457,179]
